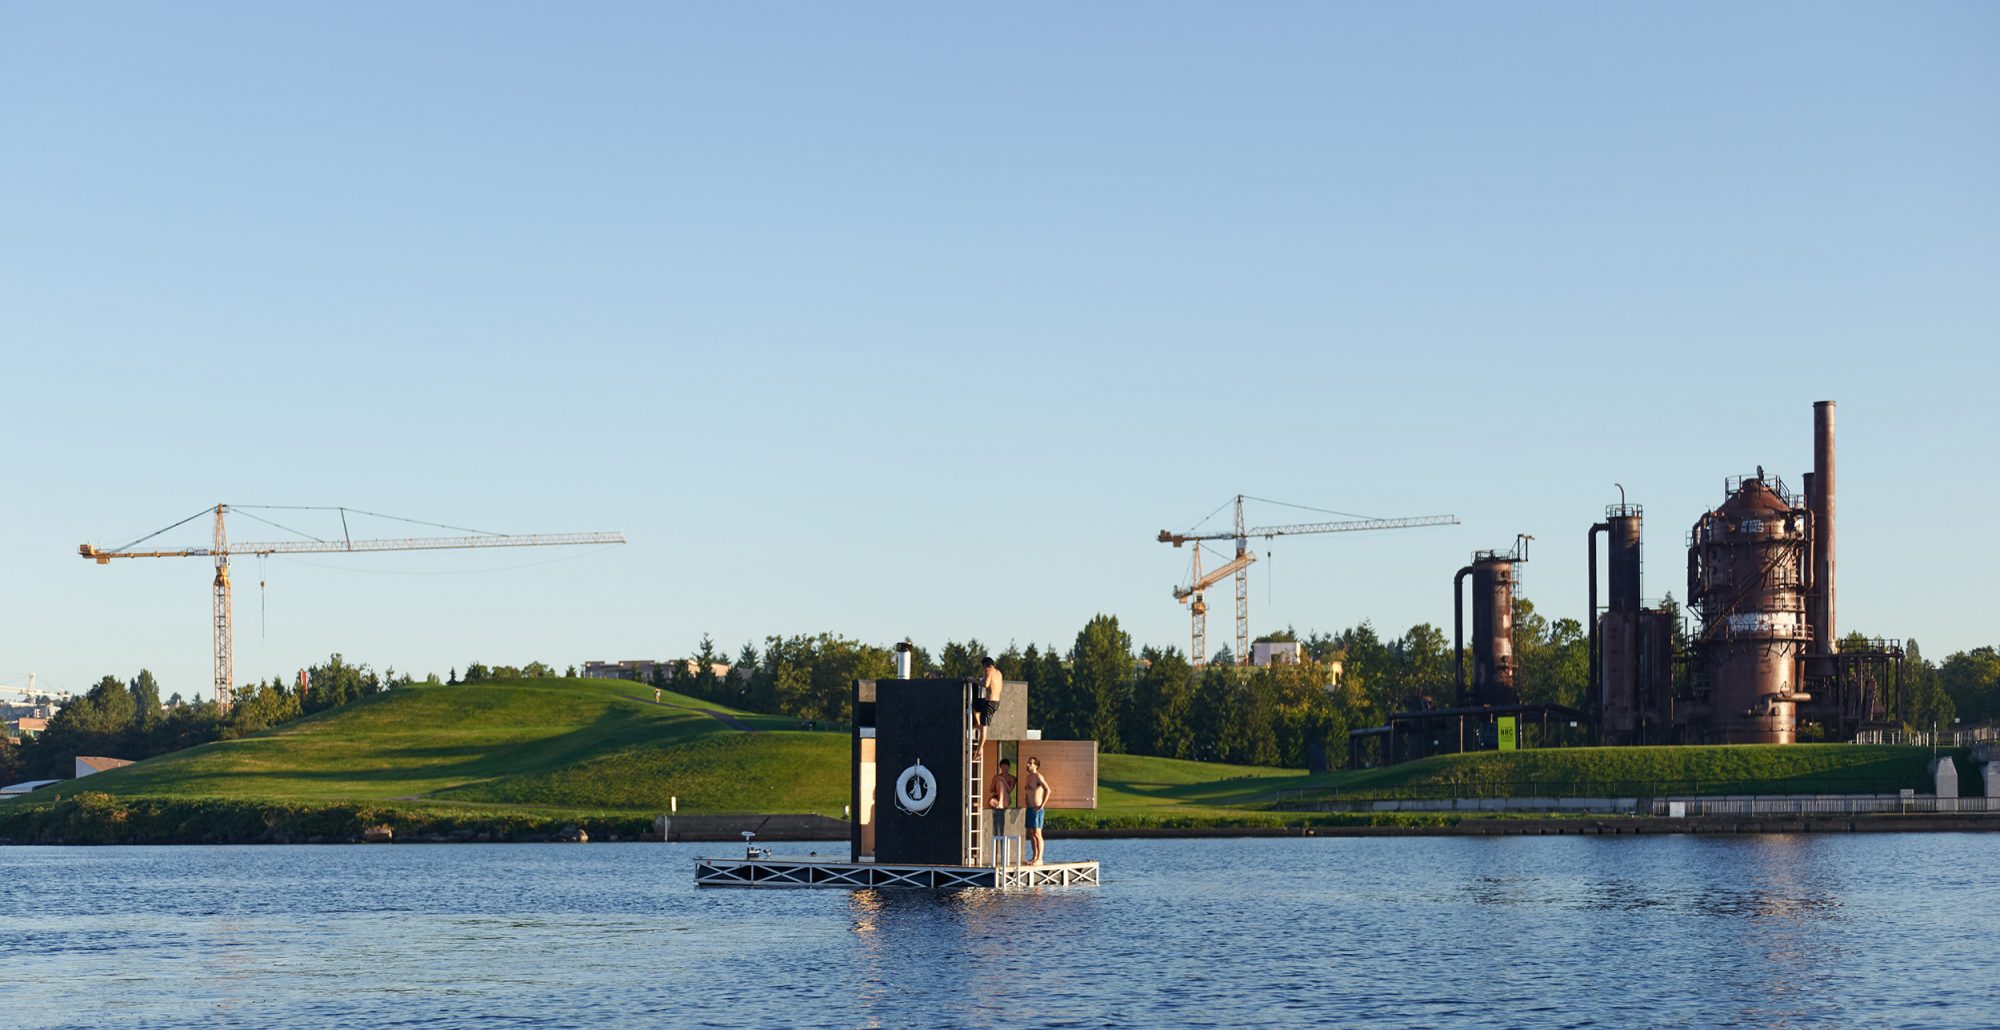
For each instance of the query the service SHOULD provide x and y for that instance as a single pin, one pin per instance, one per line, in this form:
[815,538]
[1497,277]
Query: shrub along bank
[93,817]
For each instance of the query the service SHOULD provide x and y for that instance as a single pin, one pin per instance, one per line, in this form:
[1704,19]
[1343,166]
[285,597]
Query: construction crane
[1191,595]
[57,697]
[223,549]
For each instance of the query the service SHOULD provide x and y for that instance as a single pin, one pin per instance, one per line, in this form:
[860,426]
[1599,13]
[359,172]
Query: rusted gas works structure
[1631,646]
[1493,666]
[1759,662]
[1472,721]
[1765,657]
[1748,580]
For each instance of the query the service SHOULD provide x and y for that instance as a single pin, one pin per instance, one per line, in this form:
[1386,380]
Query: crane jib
[1191,594]
[343,546]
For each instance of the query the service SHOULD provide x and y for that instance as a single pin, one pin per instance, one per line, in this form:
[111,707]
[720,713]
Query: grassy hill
[589,746]
[553,749]
[558,743]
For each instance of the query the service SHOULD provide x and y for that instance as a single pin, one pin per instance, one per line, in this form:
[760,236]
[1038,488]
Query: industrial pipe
[1818,659]
[1458,633]
[1825,634]
[1596,688]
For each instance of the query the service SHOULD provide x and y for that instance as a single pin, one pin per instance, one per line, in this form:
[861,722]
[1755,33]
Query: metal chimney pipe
[1825,634]
[1595,692]
[903,649]
[1458,633]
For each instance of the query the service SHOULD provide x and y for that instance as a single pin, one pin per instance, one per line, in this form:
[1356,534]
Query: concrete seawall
[766,827]
[1719,805]
[1574,826]
[813,828]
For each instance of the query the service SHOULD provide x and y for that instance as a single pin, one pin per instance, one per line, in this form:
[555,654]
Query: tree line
[119,718]
[1149,700]
[1152,701]
[1135,700]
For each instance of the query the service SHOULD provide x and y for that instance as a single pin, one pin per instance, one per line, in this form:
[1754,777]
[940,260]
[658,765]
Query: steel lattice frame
[810,873]
[225,648]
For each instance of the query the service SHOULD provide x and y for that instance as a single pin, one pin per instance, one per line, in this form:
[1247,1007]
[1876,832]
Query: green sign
[1507,737]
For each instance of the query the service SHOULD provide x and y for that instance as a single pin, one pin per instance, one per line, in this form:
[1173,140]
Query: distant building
[690,667]
[1288,652]
[28,725]
[1275,652]
[15,790]
[642,669]
[93,764]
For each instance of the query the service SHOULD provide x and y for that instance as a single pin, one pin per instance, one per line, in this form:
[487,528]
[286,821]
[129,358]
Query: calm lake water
[1849,930]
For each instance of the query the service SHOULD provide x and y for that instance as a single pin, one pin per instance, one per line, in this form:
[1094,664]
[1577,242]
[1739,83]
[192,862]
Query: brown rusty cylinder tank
[1624,560]
[1618,630]
[1617,634]
[1746,580]
[1493,629]
[1656,674]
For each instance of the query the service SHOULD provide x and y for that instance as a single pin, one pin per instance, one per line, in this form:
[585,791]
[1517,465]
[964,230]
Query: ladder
[974,764]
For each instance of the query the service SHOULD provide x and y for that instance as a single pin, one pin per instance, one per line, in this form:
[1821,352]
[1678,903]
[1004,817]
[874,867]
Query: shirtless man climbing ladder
[988,700]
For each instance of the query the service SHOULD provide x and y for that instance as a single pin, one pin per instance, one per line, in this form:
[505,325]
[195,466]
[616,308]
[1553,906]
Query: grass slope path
[722,717]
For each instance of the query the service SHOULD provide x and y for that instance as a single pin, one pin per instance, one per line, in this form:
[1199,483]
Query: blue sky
[899,321]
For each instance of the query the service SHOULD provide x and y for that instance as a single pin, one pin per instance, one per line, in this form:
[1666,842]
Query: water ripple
[1507,932]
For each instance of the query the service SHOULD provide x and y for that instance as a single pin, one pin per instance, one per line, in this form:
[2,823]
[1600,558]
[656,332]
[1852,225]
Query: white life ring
[916,789]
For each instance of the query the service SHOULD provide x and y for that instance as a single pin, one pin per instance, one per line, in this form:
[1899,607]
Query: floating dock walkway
[960,821]
[832,873]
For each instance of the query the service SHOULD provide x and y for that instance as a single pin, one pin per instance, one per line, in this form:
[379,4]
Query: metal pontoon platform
[829,873]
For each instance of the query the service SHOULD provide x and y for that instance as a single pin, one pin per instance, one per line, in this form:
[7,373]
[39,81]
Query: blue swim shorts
[1034,818]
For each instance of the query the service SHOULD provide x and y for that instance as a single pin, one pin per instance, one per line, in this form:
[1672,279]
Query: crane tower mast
[1239,566]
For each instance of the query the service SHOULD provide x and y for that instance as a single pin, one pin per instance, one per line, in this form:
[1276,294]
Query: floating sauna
[919,797]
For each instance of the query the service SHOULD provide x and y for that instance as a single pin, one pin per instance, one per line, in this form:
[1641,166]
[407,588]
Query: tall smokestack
[1825,636]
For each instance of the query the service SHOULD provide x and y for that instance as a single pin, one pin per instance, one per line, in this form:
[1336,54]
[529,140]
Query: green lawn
[1606,771]
[570,744]
[1135,786]
[596,746]
[554,746]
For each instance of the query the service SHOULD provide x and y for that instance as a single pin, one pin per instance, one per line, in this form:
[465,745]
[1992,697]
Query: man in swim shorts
[1034,796]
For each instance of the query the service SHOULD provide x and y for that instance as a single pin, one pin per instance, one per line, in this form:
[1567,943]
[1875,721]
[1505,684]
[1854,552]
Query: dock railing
[1947,736]
[1457,789]
[1671,806]
[1873,804]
